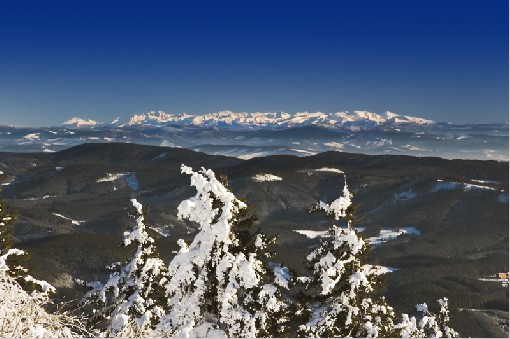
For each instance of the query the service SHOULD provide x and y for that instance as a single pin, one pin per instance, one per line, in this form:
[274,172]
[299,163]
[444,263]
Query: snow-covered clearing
[312,234]
[161,230]
[111,177]
[321,234]
[266,177]
[384,235]
[485,181]
[249,156]
[325,169]
[378,270]
[452,185]
[304,151]
[37,198]
[390,234]
[503,282]
[32,136]
[74,222]
[129,179]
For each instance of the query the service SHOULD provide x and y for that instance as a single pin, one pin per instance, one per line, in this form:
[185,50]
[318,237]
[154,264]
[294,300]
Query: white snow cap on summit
[407,119]
[78,122]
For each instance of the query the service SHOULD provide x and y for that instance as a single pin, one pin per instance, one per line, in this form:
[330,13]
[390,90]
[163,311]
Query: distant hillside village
[501,277]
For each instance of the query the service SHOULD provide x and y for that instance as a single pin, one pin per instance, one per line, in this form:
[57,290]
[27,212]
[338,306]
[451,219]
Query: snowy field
[442,185]
[385,235]
[266,177]
[129,179]
[74,222]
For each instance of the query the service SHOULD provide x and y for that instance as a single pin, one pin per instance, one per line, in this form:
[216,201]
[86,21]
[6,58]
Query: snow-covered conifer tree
[7,219]
[219,285]
[133,300]
[22,312]
[430,325]
[339,296]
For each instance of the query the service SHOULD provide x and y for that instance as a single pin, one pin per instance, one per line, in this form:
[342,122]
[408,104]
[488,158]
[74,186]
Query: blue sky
[443,60]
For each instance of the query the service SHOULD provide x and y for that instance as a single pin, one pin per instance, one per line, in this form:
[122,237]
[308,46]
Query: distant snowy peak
[406,119]
[78,122]
[355,120]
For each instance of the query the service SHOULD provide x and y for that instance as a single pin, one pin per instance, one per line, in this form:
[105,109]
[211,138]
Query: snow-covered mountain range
[248,135]
[356,120]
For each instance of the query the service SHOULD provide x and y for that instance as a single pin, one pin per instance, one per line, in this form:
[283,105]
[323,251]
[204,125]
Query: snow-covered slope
[355,120]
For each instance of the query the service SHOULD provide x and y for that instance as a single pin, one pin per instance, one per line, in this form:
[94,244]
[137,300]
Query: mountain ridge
[357,120]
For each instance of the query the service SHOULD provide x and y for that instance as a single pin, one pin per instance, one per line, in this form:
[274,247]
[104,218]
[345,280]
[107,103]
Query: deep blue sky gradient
[443,60]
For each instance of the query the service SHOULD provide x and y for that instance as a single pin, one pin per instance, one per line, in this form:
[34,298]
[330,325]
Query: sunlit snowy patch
[74,222]
[249,156]
[129,179]
[266,177]
[452,185]
[166,143]
[326,169]
[391,234]
[32,136]
[503,282]
[161,230]
[321,234]
[312,234]
[304,151]
[111,177]
[485,181]
[377,269]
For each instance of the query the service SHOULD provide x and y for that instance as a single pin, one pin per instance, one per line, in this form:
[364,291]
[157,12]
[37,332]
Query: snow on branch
[3,259]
